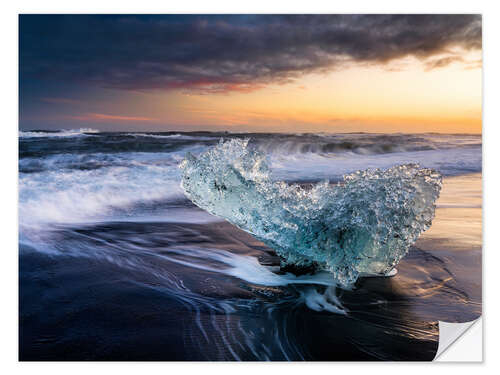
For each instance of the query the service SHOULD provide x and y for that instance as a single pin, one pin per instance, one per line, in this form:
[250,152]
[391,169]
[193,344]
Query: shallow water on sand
[163,280]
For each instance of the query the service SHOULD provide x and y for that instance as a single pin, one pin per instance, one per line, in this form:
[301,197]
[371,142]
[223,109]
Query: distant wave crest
[58,133]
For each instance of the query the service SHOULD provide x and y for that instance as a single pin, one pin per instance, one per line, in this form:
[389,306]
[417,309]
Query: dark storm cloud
[218,53]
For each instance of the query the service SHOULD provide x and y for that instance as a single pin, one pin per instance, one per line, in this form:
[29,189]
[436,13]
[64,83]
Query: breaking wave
[57,133]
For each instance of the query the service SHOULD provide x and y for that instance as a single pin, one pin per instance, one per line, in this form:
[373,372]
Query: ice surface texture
[365,224]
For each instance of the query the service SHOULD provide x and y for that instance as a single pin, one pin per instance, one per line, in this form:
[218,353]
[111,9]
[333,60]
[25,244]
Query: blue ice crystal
[364,225]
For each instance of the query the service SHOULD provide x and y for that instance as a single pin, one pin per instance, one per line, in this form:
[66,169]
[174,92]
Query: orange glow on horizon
[402,96]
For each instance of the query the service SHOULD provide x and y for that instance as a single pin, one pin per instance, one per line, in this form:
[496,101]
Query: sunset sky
[327,73]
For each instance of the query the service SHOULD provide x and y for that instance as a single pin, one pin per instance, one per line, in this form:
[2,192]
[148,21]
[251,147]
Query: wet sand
[135,291]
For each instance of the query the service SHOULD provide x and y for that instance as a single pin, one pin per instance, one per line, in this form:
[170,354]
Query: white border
[491,32]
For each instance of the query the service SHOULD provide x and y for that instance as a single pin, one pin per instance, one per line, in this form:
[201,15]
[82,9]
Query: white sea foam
[66,195]
[173,136]
[81,186]
[249,269]
[312,166]
[60,133]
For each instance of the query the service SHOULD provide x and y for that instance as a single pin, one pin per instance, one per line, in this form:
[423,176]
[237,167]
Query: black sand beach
[178,284]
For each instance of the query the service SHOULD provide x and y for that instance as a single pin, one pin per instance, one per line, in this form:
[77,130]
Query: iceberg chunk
[364,225]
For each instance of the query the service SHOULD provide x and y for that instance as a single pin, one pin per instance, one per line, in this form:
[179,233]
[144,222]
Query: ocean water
[115,263]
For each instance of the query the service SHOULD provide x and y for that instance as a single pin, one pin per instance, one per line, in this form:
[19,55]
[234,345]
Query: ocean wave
[361,144]
[314,167]
[80,195]
[178,136]
[78,178]
[90,161]
[56,134]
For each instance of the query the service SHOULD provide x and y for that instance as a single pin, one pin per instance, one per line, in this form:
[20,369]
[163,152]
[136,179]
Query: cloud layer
[228,53]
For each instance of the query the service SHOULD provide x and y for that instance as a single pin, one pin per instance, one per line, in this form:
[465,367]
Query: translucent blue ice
[364,225]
